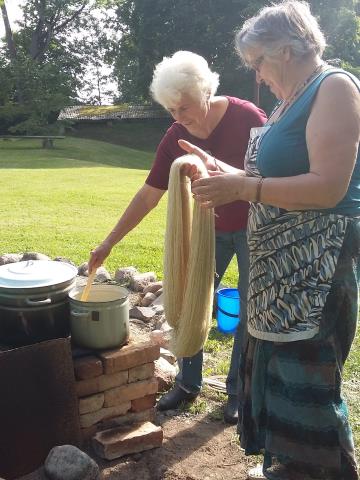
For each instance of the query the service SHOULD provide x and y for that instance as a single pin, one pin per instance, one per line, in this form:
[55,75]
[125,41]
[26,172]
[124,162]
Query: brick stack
[116,387]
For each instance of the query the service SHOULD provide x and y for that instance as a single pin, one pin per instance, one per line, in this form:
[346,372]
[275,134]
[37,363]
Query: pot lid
[35,273]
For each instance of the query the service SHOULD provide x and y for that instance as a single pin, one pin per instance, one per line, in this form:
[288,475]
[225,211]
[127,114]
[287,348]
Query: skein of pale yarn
[189,263]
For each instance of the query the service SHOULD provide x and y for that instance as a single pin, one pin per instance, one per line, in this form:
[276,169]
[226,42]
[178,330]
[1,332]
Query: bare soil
[195,447]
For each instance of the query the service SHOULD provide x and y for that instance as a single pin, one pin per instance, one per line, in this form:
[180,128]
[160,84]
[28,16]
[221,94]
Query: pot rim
[35,276]
[78,289]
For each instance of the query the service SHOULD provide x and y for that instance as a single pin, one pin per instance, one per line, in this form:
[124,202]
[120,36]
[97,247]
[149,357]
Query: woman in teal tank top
[302,179]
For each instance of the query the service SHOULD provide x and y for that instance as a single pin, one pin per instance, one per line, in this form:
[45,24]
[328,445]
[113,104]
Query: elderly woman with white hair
[302,177]
[186,87]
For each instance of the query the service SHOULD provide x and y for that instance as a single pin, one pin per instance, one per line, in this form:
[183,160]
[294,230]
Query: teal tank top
[283,150]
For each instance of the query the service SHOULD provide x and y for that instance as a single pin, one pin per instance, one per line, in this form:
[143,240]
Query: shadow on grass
[71,153]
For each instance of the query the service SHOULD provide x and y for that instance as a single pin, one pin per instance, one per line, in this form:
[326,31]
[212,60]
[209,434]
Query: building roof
[111,112]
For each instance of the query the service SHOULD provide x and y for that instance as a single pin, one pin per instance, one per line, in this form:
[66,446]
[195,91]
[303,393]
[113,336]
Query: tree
[43,62]
[152,29]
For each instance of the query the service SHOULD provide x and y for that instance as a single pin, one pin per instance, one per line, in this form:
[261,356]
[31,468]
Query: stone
[142,280]
[120,441]
[159,300]
[169,356]
[165,374]
[64,260]
[161,338]
[87,367]
[67,462]
[125,275]
[101,383]
[142,313]
[147,299]
[83,269]
[159,292]
[102,275]
[129,356]
[130,392]
[153,287]
[92,418]
[34,256]
[10,258]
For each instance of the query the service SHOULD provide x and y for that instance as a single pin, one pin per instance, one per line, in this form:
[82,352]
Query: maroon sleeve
[255,116]
[167,151]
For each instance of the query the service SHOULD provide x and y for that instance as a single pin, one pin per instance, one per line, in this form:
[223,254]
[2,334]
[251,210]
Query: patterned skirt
[292,407]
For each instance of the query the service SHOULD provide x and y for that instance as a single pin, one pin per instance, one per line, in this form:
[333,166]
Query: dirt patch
[195,447]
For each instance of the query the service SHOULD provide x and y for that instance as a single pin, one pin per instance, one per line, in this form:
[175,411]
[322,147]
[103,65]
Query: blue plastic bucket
[228,309]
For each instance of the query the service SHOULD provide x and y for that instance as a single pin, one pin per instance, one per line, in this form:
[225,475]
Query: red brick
[87,367]
[91,403]
[142,372]
[130,392]
[89,419]
[129,356]
[140,404]
[101,383]
[120,441]
[128,419]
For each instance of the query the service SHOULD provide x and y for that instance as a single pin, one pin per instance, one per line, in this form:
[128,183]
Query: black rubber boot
[174,398]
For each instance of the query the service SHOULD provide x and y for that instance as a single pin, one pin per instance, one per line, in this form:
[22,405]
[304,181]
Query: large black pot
[34,303]
[25,326]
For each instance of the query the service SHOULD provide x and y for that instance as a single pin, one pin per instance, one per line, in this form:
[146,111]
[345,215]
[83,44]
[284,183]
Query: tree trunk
[12,51]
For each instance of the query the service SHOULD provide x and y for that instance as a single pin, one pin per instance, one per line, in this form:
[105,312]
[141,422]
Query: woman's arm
[332,135]
[143,202]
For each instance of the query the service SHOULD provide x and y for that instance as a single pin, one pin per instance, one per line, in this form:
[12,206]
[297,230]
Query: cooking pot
[103,320]
[25,326]
[34,303]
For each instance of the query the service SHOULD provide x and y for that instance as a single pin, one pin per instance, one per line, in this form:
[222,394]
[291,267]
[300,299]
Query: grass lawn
[62,202]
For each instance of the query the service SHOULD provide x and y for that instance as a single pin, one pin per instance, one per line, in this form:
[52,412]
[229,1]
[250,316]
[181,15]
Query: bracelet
[258,190]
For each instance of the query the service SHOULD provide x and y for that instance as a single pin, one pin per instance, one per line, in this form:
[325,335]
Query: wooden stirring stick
[86,291]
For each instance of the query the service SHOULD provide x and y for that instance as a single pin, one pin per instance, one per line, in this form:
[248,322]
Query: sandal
[256,473]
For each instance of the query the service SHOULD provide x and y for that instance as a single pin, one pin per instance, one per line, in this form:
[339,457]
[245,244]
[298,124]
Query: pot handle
[79,314]
[32,303]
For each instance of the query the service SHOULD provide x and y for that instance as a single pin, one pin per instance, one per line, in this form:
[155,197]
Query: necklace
[284,104]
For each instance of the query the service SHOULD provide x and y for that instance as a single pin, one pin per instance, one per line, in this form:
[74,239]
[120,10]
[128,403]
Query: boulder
[83,269]
[34,256]
[165,374]
[67,462]
[125,275]
[153,287]
[148,299]
[141,281]
[64,260]
[10,258]
[102,275]
[142,313]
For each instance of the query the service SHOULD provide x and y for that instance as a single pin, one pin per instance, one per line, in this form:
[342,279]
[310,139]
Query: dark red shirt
[227,142]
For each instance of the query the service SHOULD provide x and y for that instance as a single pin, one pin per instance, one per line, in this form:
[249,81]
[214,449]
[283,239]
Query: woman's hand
[219,189]
[98,255]
[209,161]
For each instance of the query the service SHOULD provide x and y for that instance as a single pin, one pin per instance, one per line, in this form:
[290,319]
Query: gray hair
[289,23]
[183,73]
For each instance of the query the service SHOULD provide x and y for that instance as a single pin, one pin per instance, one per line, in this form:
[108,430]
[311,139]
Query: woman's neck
[216,111]
[298,75]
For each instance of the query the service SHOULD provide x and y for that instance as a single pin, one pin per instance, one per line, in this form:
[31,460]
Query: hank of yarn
[188,262]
